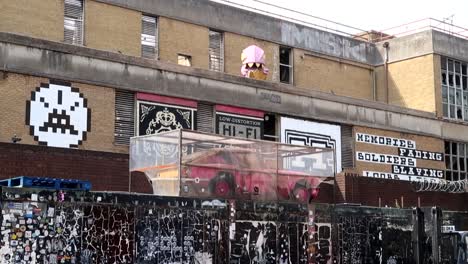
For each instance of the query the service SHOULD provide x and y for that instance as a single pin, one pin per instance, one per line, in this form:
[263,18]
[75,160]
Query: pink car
[241,173]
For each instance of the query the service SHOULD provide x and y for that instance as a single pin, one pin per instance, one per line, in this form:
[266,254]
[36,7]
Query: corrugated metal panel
[73,22]
[205,117]
[216,51]
[124,117]
[149,37]
[347,154]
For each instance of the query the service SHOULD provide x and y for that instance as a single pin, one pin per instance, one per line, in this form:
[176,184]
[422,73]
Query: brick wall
[368,191]
[176,37]
[112,28]
[35,18]
[328,75]
[106,171]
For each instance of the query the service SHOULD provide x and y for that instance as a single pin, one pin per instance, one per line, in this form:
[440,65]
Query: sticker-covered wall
[57,113]
[398,156]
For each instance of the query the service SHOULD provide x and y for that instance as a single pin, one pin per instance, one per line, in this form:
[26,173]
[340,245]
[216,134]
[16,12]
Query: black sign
[155,118]
[235,126]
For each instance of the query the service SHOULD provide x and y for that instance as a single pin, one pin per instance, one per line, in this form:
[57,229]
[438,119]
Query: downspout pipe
[386,46]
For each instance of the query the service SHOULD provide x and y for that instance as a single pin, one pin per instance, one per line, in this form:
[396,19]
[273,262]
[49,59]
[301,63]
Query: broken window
[73,22]
[456,161]
[185,60]
[149,37]
[285,65]
[216,51]
[454,80]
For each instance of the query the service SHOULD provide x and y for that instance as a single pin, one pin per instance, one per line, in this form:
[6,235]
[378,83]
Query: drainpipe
[386,45]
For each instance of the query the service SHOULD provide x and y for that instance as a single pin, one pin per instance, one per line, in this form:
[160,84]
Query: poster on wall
[58,115]
[398,156]
[308,133]
[158,114]
[239,122]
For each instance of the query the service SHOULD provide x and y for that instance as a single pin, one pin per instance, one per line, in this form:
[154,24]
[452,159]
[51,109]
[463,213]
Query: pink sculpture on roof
[253,63]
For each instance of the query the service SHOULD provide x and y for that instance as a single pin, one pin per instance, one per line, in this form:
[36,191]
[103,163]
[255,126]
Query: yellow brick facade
[112,28]
[233,46]
[36,18]
[176,37]
[327,75]
[412,83]
[16,90]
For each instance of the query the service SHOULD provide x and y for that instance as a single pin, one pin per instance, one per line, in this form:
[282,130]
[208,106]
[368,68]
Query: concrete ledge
[56,60]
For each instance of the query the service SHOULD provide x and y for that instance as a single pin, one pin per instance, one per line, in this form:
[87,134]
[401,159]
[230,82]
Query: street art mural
[253,63]
[92,227]
[398,156]
[58,115]
[308,133]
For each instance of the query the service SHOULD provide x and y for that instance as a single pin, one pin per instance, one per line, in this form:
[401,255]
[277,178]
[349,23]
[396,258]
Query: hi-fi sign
[239,126]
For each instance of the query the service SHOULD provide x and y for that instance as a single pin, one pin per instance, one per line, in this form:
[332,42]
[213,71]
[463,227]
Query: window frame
[156,37]
[290,65]
[82,20]
[454,89]
[452,160]
[221,51]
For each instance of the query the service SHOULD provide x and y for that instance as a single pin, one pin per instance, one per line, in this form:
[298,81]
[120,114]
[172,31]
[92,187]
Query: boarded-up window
[149,37]
[73,22]
[216,51]
[124,117]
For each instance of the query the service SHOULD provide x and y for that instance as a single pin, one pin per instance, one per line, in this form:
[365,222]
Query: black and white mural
[233,125]
[302,132]
[58,115]
[154,118]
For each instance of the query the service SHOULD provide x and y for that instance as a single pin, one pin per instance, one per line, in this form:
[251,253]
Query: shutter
[149,31]
[205,115]
[216,51]
[347,157]
[124,126]
[73,22]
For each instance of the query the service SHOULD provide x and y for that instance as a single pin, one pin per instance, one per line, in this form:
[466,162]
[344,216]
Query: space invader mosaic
[58,115]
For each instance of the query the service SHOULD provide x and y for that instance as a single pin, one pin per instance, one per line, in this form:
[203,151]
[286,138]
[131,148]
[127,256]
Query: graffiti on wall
[301,132]
[400,156]
[58,115]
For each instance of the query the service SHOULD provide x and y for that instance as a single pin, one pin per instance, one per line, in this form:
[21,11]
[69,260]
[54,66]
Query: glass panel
[447,162]
[443,62]
[454,148]
[451,96]
[285,73]
[465,83]
[461,163]
[465,98]
[447,147]
[459,113]
[448,175]
[464,68]
[445,110]
[458,98]
[466,114]
[455,176]
[461,149]
[444,94]
[454,164]
[452,111]
[462,176]
[451,79]
[457,81]
[444,78]
[285,54]
[450,65]
[457,66]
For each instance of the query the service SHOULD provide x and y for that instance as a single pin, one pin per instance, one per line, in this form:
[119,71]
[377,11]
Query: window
[149,37]
[185,60]
[73,22]
[456,160]
[216,51]
[285,65]
[124,117]
[454,89]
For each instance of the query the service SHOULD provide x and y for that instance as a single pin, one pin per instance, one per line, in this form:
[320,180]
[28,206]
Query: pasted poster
[154,118]
[239,122]
[308,133]
[58,115]
[398,156]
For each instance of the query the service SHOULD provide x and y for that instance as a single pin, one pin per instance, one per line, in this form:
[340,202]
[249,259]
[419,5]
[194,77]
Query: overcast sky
[369,14]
